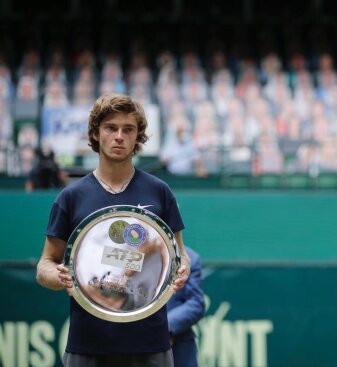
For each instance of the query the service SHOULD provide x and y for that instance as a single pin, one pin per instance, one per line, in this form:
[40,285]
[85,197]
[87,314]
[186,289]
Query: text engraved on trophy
[122,258]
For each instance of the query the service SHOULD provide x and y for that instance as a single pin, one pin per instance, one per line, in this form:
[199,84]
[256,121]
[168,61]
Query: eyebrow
[116,124]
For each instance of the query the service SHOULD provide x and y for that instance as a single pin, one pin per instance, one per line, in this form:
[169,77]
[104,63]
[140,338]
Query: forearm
[47,275]
[183,254]
[185,265]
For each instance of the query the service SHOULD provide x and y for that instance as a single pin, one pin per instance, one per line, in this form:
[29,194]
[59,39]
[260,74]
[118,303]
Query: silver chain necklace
[109,188]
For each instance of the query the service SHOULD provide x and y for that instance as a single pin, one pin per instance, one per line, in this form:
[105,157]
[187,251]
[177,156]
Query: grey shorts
[163,359]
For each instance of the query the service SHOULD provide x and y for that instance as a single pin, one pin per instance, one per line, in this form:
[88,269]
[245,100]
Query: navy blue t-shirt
[87,333]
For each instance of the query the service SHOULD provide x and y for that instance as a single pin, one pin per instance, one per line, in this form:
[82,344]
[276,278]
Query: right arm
[51,273]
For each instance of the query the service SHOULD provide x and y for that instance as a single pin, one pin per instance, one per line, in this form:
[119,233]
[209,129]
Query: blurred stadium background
[253,86]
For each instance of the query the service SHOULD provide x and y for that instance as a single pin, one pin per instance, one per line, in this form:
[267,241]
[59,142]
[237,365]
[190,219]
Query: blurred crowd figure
[179,154]
[248,116]
[45,173]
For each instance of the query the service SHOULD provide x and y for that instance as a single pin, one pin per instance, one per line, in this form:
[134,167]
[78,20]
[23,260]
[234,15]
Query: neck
[111,183]
[114,172]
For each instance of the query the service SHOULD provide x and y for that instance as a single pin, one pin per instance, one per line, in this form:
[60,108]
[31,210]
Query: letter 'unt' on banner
[123,260]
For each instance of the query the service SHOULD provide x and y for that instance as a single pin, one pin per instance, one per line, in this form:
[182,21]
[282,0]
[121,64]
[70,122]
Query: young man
[117,128]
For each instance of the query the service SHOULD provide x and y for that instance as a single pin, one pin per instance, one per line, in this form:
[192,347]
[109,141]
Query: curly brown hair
[113,103]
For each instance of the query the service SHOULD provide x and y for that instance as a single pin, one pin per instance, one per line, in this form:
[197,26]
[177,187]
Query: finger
[65,280]
[67,284]
[182,269]
[65,277]
[62,268]
[177,287]
[180,282]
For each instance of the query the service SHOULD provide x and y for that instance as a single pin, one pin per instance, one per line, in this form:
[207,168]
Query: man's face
[117,136]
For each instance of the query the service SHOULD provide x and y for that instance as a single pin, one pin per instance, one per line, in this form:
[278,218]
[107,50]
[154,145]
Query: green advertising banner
[274,315]
[231,226]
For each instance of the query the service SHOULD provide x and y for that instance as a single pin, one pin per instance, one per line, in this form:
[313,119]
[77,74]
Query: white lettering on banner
[7,344]
[209,330]
[22,345]
[223,343]
[234,346]
[42,332]
[258,331]
[16,339]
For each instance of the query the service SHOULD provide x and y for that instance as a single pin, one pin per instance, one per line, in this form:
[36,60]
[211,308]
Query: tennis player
[116,130]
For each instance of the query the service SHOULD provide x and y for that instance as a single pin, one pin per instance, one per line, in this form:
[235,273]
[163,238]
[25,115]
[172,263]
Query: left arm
[187,307]
[185,267]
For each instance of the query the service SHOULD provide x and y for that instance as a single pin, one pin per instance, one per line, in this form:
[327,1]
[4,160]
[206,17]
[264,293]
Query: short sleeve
[58,224]
[172,214]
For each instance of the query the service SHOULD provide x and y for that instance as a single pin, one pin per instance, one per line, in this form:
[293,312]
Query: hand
[65,278]
[183,273]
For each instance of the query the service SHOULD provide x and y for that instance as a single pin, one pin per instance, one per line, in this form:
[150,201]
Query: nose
[119,134]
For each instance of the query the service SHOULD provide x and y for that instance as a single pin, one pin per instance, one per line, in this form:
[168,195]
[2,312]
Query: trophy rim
[121,211]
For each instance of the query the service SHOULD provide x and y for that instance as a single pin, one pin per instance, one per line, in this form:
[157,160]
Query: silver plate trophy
[123,260]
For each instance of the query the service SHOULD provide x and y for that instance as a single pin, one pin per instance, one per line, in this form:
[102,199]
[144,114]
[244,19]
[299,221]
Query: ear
[96,136]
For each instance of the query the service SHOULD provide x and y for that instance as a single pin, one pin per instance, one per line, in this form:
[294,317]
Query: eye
[128,129]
